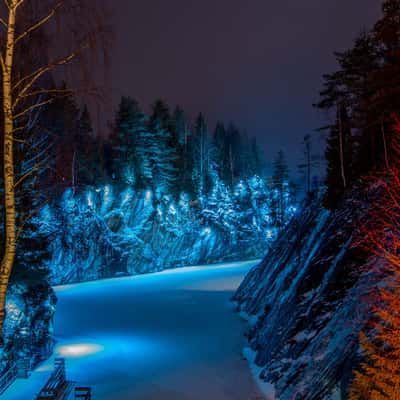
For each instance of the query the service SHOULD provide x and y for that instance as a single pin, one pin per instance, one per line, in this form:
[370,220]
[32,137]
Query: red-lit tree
[379,375]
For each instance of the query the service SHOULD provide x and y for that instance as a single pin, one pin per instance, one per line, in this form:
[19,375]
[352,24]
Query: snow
[101,232]
[266,388]
[169,335]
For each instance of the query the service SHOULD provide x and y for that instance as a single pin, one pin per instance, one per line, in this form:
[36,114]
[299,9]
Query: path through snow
[168,336]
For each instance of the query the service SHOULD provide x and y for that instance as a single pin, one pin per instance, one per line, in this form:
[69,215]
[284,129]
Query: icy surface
[169,335]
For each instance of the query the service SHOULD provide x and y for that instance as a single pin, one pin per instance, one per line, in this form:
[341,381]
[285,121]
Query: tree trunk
[308,169]
[8,166]
[384,144]
[341,149]
[231,164]
[73,171]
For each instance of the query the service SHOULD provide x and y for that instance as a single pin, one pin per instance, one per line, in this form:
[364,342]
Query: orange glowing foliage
[379,374]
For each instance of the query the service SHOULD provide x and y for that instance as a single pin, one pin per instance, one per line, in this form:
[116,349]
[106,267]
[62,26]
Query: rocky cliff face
[29,323]
[107,231]
[303,305]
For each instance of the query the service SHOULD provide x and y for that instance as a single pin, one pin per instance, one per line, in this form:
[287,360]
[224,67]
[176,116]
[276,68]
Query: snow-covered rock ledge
[302,304]
[28,328]
[110,231]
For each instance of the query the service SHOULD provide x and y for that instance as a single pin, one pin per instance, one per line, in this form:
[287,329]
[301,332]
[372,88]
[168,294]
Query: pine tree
[201,155]
[84,157]
[132,146]
[233,148]
[218,154]
[184,148]
[256,158]
[367,85]
[338,155]
[124,146]
[181,125]
[163,150]
[309,162]
[280,187]
[63,124]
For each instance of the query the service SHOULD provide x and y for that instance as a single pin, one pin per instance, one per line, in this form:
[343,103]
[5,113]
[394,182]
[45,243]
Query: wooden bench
[83,393]
[57,387]
[8,378]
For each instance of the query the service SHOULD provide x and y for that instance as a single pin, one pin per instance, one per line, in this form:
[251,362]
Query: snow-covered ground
[170,335]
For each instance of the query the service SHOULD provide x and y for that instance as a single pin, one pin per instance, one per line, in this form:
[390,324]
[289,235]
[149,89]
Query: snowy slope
[169,335]
[302,303]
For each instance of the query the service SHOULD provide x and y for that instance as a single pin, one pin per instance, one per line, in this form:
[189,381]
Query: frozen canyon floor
[169,335]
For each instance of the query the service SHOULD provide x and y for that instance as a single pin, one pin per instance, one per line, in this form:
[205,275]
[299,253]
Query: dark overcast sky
[255,62]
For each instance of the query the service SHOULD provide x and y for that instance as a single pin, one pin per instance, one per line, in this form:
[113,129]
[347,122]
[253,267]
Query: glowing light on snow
[79,350]
[13,311]
[25,331]
[148,197]
[206,232]
[126,196]
[129,177]
[89,198]
[45,367]
[269,233]
[107,198]
[45,213]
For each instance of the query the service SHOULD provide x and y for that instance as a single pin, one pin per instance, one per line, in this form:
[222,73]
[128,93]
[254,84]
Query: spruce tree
[257,158]
[132,146]
[163,150]
[280,180]
[201,155]
[219,163]
[85,160]
[184,149]
[62,122]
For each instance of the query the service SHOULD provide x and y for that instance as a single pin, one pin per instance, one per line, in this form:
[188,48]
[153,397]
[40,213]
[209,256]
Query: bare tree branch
[33,107]
[39,23]
[29,173]
[29,217]
[35,76]
[4,23]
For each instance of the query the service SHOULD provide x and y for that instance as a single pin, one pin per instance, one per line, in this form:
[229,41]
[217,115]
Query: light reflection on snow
[89,350]
[78,350]
[89,198]
[45,367]
[63,288]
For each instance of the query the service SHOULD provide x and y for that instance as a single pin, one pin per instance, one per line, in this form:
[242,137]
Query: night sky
[257,62]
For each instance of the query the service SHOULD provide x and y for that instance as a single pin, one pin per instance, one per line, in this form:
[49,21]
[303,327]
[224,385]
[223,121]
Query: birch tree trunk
[8,163]
[22,96]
